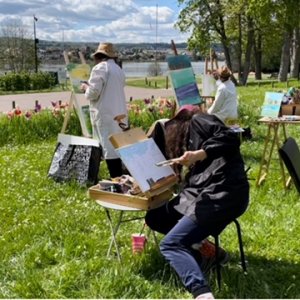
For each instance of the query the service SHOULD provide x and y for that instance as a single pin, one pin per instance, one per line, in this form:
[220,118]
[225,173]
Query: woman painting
[215,192]
[225,105]
[105,92]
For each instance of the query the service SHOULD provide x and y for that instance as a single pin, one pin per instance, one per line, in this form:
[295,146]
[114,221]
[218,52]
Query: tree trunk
[295,55]
[258,55]
[239,50]
[285,57]
[250,40]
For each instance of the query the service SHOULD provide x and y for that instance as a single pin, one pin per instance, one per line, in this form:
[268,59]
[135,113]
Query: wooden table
[276,135]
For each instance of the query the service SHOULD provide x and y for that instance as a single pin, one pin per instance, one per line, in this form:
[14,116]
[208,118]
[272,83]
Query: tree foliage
[251,32]
[16,48]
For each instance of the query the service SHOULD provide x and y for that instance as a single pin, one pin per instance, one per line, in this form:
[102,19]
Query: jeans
[176,247]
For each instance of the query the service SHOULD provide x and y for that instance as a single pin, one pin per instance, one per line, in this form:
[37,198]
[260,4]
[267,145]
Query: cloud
[117,21]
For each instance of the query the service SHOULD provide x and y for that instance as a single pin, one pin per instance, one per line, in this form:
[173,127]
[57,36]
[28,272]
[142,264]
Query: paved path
[27,101]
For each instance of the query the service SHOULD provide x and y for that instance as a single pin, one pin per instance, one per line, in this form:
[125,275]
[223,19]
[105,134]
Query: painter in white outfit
[105,92]
[225,105]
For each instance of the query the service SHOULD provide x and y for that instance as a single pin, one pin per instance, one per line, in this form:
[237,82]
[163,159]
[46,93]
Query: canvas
[140,159]
[185,86]
[79,73]
[272,104]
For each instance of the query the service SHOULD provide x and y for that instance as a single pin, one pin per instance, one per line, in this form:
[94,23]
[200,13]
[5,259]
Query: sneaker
[208,256]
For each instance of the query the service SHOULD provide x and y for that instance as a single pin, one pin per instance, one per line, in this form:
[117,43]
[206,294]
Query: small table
[115,227]
[272,138]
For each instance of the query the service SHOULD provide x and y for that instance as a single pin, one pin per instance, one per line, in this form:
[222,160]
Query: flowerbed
[23,127]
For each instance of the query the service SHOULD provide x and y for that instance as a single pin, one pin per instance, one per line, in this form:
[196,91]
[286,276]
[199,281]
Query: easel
[158,193]
[212,60]
[74,102]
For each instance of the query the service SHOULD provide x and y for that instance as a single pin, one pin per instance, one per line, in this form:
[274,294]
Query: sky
[116,21]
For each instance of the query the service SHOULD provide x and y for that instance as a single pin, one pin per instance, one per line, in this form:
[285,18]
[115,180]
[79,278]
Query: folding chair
[290,154]
[241,247]
[242,254]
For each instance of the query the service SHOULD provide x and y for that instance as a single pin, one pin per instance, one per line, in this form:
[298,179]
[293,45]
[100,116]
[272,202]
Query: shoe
[208,256]
[208,249]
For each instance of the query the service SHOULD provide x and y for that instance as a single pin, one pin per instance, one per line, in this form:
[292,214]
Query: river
[134,69]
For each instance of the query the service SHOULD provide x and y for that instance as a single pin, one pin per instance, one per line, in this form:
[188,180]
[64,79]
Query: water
[140,69]
[134,69]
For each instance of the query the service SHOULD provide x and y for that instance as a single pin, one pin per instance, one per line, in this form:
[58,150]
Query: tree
[288,16]
[295,53]
[16,48]
[207,21]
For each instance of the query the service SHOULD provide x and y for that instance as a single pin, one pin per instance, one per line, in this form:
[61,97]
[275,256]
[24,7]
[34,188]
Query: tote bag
[76,158]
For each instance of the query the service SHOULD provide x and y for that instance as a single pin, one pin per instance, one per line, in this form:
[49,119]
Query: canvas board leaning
[140,159]
[79,73]
[140,155]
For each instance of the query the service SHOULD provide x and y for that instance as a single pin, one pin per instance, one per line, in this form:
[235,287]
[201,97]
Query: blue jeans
[176,247]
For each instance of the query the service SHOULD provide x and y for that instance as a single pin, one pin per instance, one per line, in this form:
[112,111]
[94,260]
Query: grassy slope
[53,239]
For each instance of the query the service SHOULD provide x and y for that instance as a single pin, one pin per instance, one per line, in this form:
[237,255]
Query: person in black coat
[215,191]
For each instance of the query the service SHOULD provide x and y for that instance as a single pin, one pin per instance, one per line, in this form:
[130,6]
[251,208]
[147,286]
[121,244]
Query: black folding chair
[290,154]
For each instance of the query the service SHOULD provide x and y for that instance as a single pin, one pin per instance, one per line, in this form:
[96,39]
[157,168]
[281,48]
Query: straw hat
[107,49]
[224,72]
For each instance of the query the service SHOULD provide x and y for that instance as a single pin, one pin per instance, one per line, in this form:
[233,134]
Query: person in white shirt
[105,92]
[225,105]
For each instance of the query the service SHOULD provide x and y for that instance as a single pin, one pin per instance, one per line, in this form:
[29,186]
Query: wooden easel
[212,60]
[74,103]
[158,193]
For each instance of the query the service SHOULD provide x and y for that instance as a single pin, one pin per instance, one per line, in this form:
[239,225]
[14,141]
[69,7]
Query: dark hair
[176,135]
[101,56]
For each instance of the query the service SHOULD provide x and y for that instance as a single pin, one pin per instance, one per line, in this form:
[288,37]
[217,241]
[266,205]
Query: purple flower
[38,107]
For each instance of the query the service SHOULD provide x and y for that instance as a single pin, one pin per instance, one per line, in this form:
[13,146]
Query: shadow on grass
[264,279]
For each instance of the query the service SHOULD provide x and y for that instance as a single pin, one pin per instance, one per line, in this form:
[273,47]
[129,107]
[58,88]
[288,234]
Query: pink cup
[138,242]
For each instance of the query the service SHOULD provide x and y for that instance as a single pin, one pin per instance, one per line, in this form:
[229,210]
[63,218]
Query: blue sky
[117,21]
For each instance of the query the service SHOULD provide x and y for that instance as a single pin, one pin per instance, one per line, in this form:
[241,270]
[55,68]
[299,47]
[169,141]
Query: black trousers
[115,167]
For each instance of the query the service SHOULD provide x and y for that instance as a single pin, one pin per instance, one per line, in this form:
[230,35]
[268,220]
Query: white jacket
[225,105]
[107,100]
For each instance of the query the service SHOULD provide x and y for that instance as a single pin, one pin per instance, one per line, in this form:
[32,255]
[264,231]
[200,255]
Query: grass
[53,238]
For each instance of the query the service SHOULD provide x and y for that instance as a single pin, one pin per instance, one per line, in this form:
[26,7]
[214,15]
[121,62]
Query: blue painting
[272,104]
[178,62]
[185,86]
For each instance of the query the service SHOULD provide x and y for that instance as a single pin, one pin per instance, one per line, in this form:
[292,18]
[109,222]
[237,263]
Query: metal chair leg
[242,254]
[218,266]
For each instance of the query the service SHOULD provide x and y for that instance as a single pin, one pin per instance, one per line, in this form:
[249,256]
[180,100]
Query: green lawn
[53,238]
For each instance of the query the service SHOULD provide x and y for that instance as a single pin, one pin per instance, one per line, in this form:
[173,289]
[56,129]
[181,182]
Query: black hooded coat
[216,190]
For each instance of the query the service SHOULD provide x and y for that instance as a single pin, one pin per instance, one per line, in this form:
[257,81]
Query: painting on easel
[140,159]
[209,86]
[77,74]
[272,104]
[185,86]
[183,79]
